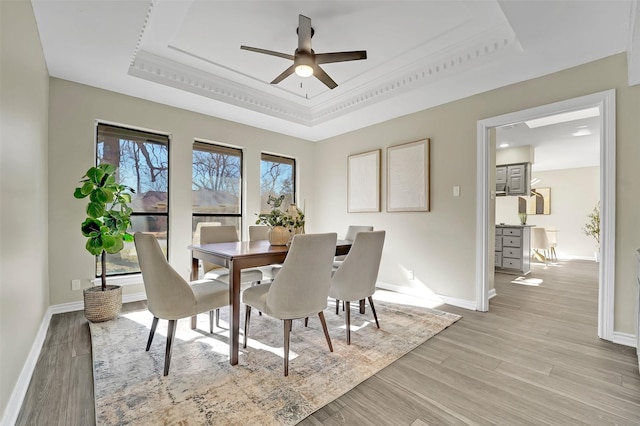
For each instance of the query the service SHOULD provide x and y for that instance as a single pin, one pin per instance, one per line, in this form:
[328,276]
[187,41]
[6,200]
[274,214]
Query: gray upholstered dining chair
[261,232]
[225,234]
[356,277]
[299,290]
[171,297]
[352,230]
[258,232]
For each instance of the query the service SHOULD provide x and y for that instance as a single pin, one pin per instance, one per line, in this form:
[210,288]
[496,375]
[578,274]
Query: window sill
[121,281]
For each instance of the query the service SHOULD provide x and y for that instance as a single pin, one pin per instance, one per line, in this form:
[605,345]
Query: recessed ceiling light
[503,145]
[563,118]
[581,132]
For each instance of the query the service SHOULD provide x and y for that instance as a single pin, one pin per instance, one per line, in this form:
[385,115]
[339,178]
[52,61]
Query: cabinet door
[501,180]
[516,179]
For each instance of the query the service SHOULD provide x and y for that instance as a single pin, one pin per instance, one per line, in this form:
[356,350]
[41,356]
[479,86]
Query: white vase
[278,236]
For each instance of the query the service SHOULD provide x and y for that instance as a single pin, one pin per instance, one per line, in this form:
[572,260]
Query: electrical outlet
[75,284]
[456,191]
[412,275]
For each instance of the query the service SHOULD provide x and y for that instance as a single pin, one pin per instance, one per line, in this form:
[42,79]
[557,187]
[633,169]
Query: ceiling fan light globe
[304,70]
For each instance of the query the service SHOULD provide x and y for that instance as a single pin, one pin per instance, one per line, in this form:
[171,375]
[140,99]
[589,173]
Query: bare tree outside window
[142,161]
[216,186]
[277,178]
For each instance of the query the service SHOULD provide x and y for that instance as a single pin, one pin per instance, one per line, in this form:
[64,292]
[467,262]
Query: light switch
[456,191]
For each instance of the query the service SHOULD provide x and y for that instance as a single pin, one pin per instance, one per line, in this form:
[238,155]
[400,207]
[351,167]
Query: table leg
[194,277]
[234,301]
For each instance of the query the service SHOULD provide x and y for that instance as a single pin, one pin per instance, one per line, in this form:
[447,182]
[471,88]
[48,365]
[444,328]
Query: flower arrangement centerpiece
[282,224]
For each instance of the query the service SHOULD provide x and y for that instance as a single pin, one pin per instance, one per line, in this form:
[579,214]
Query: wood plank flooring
[534,359]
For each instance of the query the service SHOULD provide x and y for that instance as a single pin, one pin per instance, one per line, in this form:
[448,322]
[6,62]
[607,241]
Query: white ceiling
[555,146]
[420,53]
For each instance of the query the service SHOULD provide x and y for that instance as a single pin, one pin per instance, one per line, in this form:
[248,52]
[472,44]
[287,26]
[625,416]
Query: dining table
[237,256]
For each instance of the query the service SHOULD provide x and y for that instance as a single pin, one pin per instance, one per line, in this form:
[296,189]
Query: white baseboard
[625,339]
[492,293]
[424,294]
[12,410]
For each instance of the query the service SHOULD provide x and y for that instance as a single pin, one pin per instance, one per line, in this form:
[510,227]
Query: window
[216,186]
[277,177]
[142,159]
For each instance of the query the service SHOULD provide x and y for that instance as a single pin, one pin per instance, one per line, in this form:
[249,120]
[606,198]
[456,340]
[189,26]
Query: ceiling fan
[305,60]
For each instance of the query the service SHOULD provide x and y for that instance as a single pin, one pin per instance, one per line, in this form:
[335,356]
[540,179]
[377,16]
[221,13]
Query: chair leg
[287,333]
[170,336]
[347,318]
[154,324]
[306,321]
[211,321]
[373,309]
[247,317]
[326,331]
[218,318]
[337,306]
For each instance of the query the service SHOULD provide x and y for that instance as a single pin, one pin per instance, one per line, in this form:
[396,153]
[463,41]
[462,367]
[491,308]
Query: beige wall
[24,287]
[440,245]
[574,193]
[74,108]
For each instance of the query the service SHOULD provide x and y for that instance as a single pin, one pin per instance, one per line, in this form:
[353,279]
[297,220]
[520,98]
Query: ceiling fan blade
[324,77]
[268,52]
[286,73]
[304,33]
[326,58]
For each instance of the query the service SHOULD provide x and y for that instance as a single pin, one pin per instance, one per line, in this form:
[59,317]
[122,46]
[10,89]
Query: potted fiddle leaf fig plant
[106,228]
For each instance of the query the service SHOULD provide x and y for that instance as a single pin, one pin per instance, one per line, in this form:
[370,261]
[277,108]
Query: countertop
[505,225]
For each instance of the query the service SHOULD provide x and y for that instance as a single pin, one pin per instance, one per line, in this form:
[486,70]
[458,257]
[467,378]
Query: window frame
[151,135]
[267,156]
[221,148]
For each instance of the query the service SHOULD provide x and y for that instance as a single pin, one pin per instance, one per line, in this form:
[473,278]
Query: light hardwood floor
[533,359]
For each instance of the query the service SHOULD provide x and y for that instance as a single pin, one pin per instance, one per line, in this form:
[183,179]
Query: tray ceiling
[420,53]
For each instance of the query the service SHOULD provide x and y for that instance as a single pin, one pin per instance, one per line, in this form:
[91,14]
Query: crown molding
[494,45]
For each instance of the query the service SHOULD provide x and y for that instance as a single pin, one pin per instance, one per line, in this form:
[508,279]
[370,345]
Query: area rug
[202,388]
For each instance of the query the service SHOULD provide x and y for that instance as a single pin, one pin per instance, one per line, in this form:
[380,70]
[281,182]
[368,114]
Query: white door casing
[605,101]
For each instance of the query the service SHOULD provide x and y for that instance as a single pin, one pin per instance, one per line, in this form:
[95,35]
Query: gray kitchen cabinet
[513,249]
[513,179]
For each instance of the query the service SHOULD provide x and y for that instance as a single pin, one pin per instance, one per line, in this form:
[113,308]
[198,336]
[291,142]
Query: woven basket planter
[101,305]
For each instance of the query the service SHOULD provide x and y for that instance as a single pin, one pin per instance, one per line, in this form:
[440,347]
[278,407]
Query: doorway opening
[605,102]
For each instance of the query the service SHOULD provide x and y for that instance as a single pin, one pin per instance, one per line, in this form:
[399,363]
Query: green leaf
[90,226]
[94,246]
[117,246]
[107,168]
[95,175]
[128,237]
[108,242]
[100,195]
[95,209]
[87,188]
[78,193]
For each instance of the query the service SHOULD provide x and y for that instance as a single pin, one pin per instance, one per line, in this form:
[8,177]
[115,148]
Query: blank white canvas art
[408,177]
[364,182]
